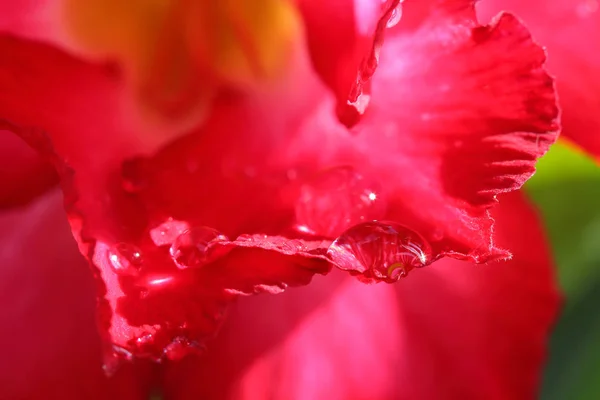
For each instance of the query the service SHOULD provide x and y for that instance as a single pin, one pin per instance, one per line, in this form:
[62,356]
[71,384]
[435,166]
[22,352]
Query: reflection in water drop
[380,250]
[336,199]
[193,247]
[125,259]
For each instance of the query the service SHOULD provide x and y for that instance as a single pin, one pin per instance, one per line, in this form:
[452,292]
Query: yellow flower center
[176,53]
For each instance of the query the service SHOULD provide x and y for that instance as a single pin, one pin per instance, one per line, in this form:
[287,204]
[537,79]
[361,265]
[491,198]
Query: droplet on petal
[125,259]
[395,16]
[180,347]
[114,358]
[380,251]
[193,247]
[335,200]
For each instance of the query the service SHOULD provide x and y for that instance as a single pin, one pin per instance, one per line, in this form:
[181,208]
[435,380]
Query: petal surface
[50,345]
[110,209]
[452,330]
[465,121]
[23,172]
[570,30]
[436,150]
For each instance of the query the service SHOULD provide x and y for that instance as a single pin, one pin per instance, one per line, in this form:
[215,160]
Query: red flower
[184,197]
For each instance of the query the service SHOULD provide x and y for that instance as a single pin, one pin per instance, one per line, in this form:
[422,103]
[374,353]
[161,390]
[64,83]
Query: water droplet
[180,347]
[145,339]
[125,259]
[193,247]
[395,16]
[336,199]
[113,359]
[383,251]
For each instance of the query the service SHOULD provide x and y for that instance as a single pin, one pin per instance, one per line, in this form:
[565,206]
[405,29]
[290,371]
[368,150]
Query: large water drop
[125,259]
[335,200]
[381,251]
[193,247]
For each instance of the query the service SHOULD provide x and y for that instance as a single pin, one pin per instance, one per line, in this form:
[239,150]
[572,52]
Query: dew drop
[395,16]
[193,247]
[180,347]
[384,251]
[114,358]
[335,200]
[125,259]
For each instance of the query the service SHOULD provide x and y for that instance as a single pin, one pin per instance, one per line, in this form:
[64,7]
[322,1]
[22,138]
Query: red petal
[344,38]
[452,330]
[465,121]
[470,117]
[570,30]
[50,346]
[107,210]
[276,141]
[23,173]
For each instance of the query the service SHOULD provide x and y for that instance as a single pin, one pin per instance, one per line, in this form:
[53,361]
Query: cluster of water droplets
[188,248]
[192,248]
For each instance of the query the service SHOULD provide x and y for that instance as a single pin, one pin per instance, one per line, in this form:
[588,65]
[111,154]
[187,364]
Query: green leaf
[566,189]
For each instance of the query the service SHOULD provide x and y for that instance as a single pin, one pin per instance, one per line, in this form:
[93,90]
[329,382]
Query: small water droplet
[181,347]
[114,358]
[193,247]
[125,259]
[395,16]
[384,251]
[336,199]
[144,340]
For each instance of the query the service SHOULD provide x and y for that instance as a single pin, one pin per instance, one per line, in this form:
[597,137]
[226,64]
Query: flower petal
[50,346]
[23,173]
[344,38]
[570,30]
[89,136]
[122,192]
[467,121]
[453,330]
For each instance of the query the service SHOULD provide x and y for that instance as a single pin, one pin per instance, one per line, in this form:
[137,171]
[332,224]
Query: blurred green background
[566,188]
